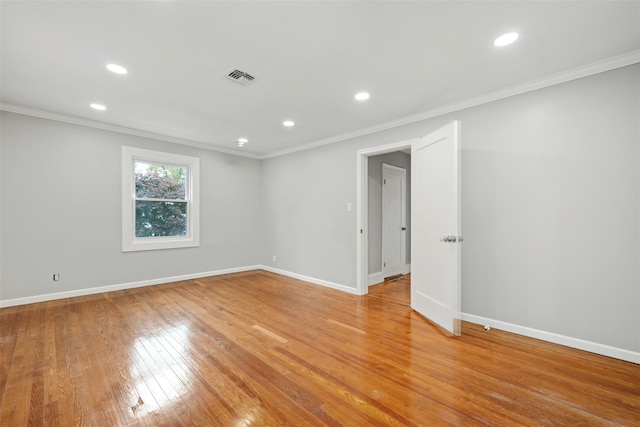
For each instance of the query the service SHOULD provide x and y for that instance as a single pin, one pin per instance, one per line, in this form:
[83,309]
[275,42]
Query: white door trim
[362,207]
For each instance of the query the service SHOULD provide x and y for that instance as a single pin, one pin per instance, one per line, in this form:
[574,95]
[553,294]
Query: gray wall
[551,209]
[306,223]
[550,199]
[401,160]
[61,210]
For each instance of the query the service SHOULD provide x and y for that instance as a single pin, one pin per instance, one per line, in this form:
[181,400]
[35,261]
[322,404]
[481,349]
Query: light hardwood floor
[260,349]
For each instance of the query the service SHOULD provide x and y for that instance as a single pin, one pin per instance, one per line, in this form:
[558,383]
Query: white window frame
[130,155]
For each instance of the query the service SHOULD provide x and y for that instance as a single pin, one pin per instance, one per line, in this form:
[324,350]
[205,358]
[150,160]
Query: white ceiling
[309,58]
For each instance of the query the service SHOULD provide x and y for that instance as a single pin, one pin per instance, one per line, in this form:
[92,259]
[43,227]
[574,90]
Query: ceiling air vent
[240,77]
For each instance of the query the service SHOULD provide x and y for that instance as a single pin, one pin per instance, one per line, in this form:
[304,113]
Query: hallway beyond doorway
[396,290]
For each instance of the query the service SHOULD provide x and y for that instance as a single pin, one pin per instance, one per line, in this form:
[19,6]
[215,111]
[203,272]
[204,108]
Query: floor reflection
[161,369]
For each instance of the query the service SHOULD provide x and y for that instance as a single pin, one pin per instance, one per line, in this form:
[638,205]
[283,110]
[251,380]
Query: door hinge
[384,181]
[384,264]
[361,231]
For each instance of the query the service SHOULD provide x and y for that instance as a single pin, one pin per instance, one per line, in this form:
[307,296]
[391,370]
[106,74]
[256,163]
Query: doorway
[436,285]
[369,266]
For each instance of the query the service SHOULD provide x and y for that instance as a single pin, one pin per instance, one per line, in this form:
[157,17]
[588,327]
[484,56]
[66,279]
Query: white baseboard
[593,347]
[407,269]
[313,280]
[119,287]
[375,278]
[605,350]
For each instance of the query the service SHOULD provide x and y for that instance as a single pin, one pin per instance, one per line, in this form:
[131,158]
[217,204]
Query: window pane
[155,181]
[154,219]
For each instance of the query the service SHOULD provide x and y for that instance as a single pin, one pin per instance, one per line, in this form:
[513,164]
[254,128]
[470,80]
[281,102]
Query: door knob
[449,239]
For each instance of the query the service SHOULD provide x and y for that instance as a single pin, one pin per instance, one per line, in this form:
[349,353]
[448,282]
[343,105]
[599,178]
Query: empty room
[308,213]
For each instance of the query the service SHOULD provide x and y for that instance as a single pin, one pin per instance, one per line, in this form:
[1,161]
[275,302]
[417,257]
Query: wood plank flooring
[261,349]
[396,290]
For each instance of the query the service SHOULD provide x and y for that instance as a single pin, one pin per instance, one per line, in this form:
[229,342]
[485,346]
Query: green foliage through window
[160,200]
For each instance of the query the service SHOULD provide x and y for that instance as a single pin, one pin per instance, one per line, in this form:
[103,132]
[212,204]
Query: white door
[394,244]
[436,227]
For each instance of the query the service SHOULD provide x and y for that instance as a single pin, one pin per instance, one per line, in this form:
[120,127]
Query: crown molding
[18,109]
[602,66]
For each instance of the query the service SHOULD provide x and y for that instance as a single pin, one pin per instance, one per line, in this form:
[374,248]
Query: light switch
[349,207]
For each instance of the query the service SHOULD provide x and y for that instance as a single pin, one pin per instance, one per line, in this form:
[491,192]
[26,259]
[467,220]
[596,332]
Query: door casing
[362,207]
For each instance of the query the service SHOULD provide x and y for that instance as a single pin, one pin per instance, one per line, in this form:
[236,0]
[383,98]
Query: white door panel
[393,220]
[436,227]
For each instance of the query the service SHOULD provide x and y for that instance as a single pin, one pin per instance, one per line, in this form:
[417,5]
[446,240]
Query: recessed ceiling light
[506,39]
[98,107]
[288,123]
[115,68]
[362,96]
[243,140]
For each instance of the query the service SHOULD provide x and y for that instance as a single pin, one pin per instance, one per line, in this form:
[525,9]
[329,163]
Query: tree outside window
[160,208]
[161,205]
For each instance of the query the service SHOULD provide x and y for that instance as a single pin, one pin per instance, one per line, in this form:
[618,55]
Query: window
[160,207]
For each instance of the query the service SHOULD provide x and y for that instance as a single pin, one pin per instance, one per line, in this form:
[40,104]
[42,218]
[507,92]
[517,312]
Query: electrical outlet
[56,277]
[273,258]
